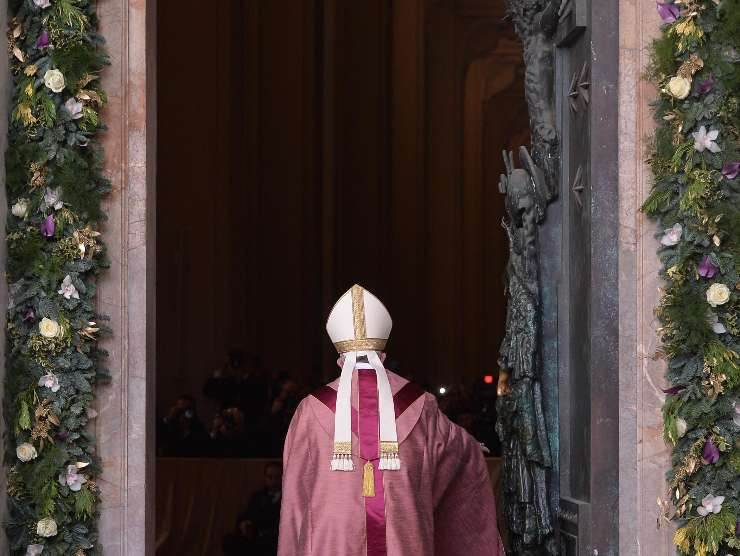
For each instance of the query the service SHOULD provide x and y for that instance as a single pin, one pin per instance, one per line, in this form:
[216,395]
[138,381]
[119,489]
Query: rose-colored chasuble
[439,503]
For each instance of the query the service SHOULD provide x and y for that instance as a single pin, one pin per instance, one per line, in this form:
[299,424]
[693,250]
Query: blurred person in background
[257,526]
[182,434]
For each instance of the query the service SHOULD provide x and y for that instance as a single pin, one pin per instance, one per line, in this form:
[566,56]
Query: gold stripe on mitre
[358,312]
[365,344]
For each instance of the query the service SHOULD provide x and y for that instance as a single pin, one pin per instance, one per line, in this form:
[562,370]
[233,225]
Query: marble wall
[643,456]
[126,294]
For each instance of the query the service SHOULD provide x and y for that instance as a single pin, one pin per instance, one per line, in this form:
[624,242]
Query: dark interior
[305,146]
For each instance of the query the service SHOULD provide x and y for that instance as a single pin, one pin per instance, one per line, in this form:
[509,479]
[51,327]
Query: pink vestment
[439,503]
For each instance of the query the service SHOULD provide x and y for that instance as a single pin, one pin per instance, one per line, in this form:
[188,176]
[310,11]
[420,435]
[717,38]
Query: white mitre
[359,322]
[359,325]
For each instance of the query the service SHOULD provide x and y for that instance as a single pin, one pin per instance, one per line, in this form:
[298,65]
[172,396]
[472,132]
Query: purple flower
[61,436]
[707,269]
[48,227]
[667,12]
[730,170]
[711,452]
[737,529]
[706,85]
[673,390]
[43,40]
[29,314]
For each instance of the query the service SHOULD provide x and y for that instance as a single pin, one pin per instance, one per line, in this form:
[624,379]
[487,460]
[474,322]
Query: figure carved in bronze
[535,22]
[521,422]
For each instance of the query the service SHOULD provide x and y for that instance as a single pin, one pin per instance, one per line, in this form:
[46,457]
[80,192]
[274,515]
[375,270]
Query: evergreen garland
[695,162]
[54,189]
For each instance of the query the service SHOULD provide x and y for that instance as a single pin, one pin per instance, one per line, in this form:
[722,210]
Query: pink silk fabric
[438,504]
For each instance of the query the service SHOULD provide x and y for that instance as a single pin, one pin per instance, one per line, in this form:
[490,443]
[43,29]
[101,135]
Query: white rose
[47,527]
[679,87]
[26,452]
[54,79]
[718,294]
[681,426]
[42,3]
[20,208]
[50,328]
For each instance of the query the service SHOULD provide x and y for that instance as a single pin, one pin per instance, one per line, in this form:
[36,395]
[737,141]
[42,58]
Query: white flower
[34,549]
[717,326]
[52,198]
[704,139]
[718,294]
[50,328]
[679,87]
[20,208]
[67,289]
[54,79]
[26,452]
[72,478]
[672,236]
[710,505]
[681,426]
[74,107]
[50,381]
[47,527]
[42,3]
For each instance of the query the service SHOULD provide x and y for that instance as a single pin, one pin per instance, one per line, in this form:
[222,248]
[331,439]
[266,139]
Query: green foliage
[84,503]
[76,62]
[703,535]
[663,59]
[701,340]
[728,29]
[53,170]
[687,306]
[657,202]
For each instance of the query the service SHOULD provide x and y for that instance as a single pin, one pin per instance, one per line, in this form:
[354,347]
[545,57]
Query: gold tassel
[368,481]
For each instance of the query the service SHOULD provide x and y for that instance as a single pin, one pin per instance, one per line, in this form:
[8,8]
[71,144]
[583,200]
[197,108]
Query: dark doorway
[306,147]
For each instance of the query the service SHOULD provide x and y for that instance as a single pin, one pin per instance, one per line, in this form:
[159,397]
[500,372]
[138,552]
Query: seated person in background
[257,526]
[181,433]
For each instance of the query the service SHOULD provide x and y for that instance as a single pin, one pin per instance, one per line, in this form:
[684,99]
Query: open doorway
[300,151]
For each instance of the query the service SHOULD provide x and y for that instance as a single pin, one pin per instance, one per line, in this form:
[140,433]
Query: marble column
[125,424]
[643,456]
